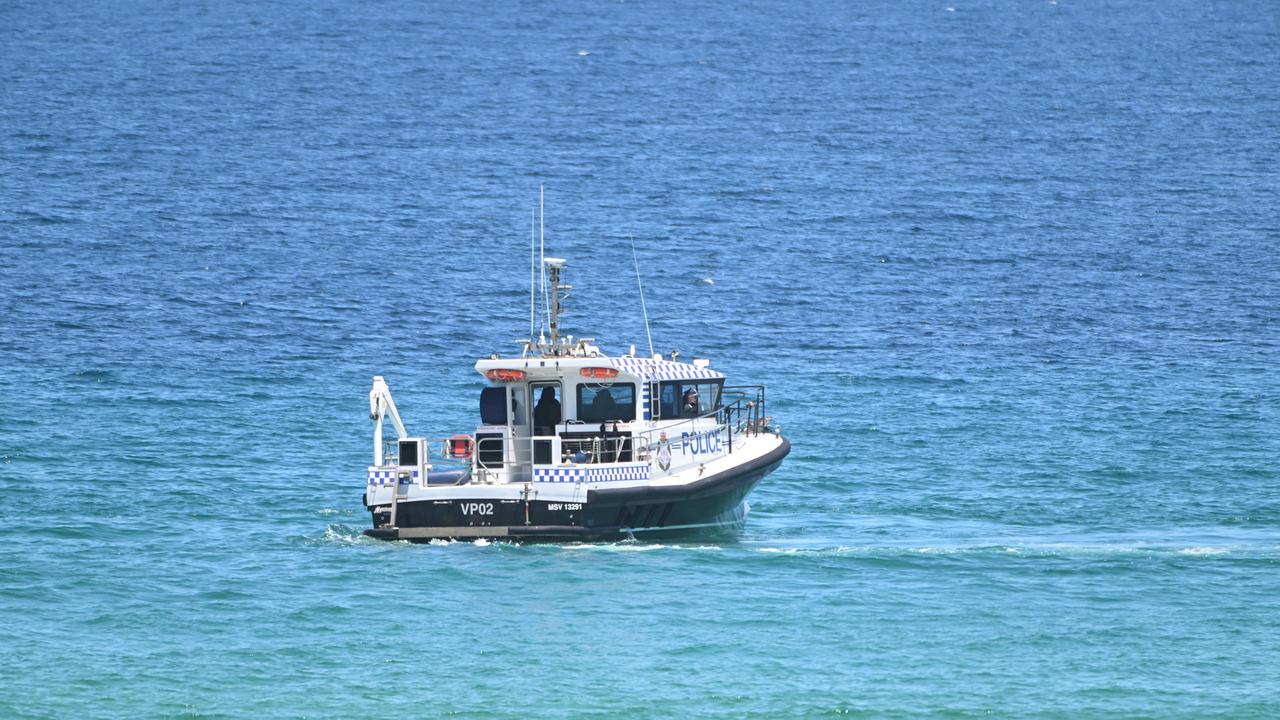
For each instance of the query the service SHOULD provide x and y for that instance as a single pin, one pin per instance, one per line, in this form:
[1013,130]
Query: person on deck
[689,406]
[546,414]
[605,407]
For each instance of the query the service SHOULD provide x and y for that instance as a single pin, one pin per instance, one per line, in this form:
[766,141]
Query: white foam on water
[343,535]
[1204,551]
[1032,551]
[638,547]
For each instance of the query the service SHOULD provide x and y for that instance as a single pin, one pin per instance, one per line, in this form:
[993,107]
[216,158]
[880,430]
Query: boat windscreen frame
[588,414]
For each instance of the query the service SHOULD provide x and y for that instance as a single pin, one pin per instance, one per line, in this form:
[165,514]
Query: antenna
[532,287]
[640,285]
[542,255]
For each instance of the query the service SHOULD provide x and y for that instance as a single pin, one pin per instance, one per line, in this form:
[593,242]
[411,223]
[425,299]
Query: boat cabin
[560,416]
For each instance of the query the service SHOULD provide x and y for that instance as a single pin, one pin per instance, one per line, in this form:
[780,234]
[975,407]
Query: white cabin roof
[652,370]
[646,369]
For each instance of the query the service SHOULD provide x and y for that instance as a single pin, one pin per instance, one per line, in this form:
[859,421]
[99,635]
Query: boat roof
[652,370]
[646,369]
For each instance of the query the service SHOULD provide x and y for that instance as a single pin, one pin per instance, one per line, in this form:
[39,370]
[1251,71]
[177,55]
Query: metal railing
[741,415]
[748,408]
[498,453]
[443,452]
[741,412]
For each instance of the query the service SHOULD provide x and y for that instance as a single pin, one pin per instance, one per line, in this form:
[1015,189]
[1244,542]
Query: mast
[554,266]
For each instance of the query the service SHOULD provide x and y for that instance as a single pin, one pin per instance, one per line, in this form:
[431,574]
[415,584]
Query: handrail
[750,421]
[745,414]
[756,416]
[391,450]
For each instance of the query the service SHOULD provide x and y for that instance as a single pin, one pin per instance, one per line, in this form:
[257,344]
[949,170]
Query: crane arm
[382,405]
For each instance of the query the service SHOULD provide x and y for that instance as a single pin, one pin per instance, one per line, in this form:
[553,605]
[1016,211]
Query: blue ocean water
[1008,268]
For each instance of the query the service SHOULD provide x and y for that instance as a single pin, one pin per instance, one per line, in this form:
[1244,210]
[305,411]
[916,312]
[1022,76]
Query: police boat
[574,444]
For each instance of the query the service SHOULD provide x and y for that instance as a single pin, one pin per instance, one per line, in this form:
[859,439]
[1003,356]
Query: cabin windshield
[605,403]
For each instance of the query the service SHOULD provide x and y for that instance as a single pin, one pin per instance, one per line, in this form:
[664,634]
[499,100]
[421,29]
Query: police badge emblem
[664,453]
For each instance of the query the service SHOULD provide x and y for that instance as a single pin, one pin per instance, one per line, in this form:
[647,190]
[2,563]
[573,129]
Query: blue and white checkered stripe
[644,401]
[557,474]
[659,370]
[591,474]
[380,476]
[617,473]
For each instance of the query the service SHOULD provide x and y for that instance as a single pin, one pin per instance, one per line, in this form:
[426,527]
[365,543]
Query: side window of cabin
[669,399]
[672,393]
[709,396]
[603,403]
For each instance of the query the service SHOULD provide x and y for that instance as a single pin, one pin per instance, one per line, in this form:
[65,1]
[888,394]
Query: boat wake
[1041,551]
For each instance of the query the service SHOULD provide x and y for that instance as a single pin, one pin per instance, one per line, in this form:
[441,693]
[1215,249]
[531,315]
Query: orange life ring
[460,446]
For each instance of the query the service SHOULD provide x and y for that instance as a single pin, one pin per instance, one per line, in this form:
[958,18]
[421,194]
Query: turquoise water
[1008,269]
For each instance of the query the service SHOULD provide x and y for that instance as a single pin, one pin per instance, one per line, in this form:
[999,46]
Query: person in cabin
[689,406]
[604,406]
[546,414]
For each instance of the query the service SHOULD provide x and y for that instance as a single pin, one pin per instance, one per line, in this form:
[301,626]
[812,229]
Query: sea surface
[1010,270]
